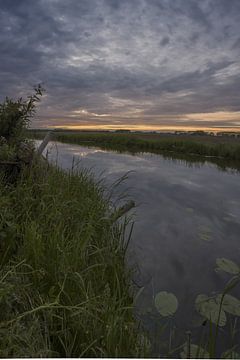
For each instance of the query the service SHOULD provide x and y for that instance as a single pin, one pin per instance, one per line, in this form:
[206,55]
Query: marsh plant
[15,116]
[64,288]
[192,147]
[215,312]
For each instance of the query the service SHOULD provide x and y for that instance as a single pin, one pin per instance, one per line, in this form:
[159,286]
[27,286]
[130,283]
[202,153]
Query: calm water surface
[187,216]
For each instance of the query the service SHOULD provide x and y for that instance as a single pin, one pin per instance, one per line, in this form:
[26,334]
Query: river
[187,216]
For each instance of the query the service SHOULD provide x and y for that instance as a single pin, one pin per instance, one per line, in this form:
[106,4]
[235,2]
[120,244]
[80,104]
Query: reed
[65,290]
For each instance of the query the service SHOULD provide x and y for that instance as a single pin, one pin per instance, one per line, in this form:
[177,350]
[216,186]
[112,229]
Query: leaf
[209,308]
[227,265]
[230,304]
[205,237]
[233,282]
[230,354]
[166,303]
[205,233]
[196,352]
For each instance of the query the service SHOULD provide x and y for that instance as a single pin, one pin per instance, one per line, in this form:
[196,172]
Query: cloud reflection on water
[186,217]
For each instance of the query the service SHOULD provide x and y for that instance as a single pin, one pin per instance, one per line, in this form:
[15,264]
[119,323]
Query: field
[225,147]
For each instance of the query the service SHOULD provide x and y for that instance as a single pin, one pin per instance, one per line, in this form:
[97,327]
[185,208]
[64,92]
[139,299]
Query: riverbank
[191,145]
[65,291]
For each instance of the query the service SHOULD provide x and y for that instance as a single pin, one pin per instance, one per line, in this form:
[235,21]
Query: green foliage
[176,145]
[15,116]
[166,303]
[194,352]
[228,266]
[230,304]
[230,354]
[7,152]
[64,290]
[214,310]
[209,308]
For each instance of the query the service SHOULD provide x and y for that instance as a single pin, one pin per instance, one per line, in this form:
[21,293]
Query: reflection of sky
[186,217]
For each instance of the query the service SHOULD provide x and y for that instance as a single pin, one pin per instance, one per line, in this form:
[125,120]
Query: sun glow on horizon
[145,128]
[215,121]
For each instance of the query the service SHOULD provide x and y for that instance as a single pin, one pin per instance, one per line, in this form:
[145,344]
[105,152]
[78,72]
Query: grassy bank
[64,286]
[65,289]
[225,147]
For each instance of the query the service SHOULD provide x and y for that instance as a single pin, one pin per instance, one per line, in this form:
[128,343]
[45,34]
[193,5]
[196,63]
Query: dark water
[187,216]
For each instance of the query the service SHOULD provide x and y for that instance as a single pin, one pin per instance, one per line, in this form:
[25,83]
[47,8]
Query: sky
[135,64]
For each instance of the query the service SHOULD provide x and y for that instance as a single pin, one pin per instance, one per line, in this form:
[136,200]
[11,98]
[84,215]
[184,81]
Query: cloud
[138,61]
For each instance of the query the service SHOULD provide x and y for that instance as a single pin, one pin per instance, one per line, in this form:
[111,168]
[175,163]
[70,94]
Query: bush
[15,116]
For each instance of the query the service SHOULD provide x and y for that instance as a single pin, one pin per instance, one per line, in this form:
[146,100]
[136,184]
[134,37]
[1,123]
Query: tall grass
[189,145]
[64,288]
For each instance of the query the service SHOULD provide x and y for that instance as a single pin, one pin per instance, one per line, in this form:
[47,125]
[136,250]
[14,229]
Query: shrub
[15,116]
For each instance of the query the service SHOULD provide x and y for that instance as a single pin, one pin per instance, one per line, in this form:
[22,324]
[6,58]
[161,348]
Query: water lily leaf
[209,308]
[196,352]
[230,304]
[227,265]
[166,303]
[205,237]
[230,354]
[205,233]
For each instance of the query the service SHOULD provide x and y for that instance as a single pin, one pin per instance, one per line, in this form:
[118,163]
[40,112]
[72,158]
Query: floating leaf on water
[209,308]
[205,233]
[205,237]
[230,354]
[189,209]
[196,352]
[228,266]
[166,303]
[230,304]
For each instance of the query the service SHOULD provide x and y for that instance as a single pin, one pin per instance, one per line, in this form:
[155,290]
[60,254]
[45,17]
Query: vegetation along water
[217,147]
[65,290]
[185,242]
[65,287]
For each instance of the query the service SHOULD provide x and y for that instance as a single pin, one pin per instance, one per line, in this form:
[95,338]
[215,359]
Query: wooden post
[45,141]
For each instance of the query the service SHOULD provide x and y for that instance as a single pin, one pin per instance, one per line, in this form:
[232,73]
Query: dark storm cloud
[133,60]
[165,41]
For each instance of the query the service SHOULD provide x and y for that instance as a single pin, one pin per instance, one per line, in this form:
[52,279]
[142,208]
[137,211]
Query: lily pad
[230,354]
[205,237]
[205,233]
[166,303]
[230,304]
[228,266]
[196,352]
[209,308]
